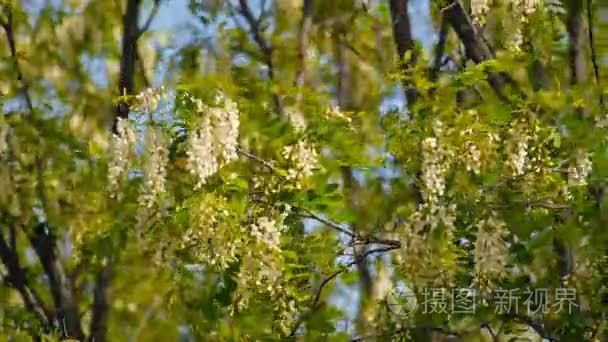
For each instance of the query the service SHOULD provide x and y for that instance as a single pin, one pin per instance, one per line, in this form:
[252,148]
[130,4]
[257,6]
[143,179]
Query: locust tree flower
[303,158]
[155,166]
[214,140]
[434,168]
[491,252]
[121,147]
[580,170]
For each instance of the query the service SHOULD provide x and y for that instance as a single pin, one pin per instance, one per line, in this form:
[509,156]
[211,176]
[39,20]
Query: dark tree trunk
[402,34]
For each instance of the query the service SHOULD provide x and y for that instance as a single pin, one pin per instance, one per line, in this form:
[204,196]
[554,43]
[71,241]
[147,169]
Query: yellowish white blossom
[434,169]
[155,166]
[268,231]
[214,140]
[122,144]
[423,259]
[334,112]
[303,159]
[147,100]
[202,161]
[579,172]
[479,9]
[296,118]
[518,156]
[491,252]
[472,158]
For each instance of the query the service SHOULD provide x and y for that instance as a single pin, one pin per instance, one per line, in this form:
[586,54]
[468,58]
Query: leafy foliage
[278,186]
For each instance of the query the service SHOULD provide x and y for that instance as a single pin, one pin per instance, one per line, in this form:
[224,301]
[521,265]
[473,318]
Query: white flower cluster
[479,9]
[491,252]
[518,156]
[121,147]
[434,169]
[334,112]
[472,158]
[155,166]
[516,41]
[579,172]
[260,279]
[303,158]
[147,101]
[267,231]
[528,7]
[296,118]
[422,258]
[210,236]
[214,141]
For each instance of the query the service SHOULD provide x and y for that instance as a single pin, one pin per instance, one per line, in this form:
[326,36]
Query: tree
[268,172]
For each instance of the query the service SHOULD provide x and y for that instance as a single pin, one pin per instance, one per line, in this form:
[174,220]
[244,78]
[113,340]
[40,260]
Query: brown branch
[596,68]
[303,33]
[126,83]
[476,48]
[575,23]
[126,86]
[67,314]
[17,279]
[317,296]
[101,304]
[148,22]
[10,37]
[309,214]
[402,34]
[266,48]
[257,159]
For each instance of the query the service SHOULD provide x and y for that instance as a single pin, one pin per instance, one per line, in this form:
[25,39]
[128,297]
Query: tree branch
[402,35]
[596,67]
[303,33]
[131,32]
[68,317]
[101,304]
[148,22]
[256,31]
[317,296]
[17,279]
[576,47]
[10,37]
[476,48]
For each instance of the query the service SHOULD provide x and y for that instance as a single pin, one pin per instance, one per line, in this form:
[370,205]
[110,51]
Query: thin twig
[253,157]
[596,68]
[317,297]
[309,214]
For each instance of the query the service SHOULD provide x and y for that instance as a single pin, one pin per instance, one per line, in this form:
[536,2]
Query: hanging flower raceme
[580,170]
[122,144]
[267,231]
[226,129]
[147,101]
[434,168]
[479,9]
[296,118]
[491,253]
[426,245]
[155,166]
[303,158]
[214,140]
